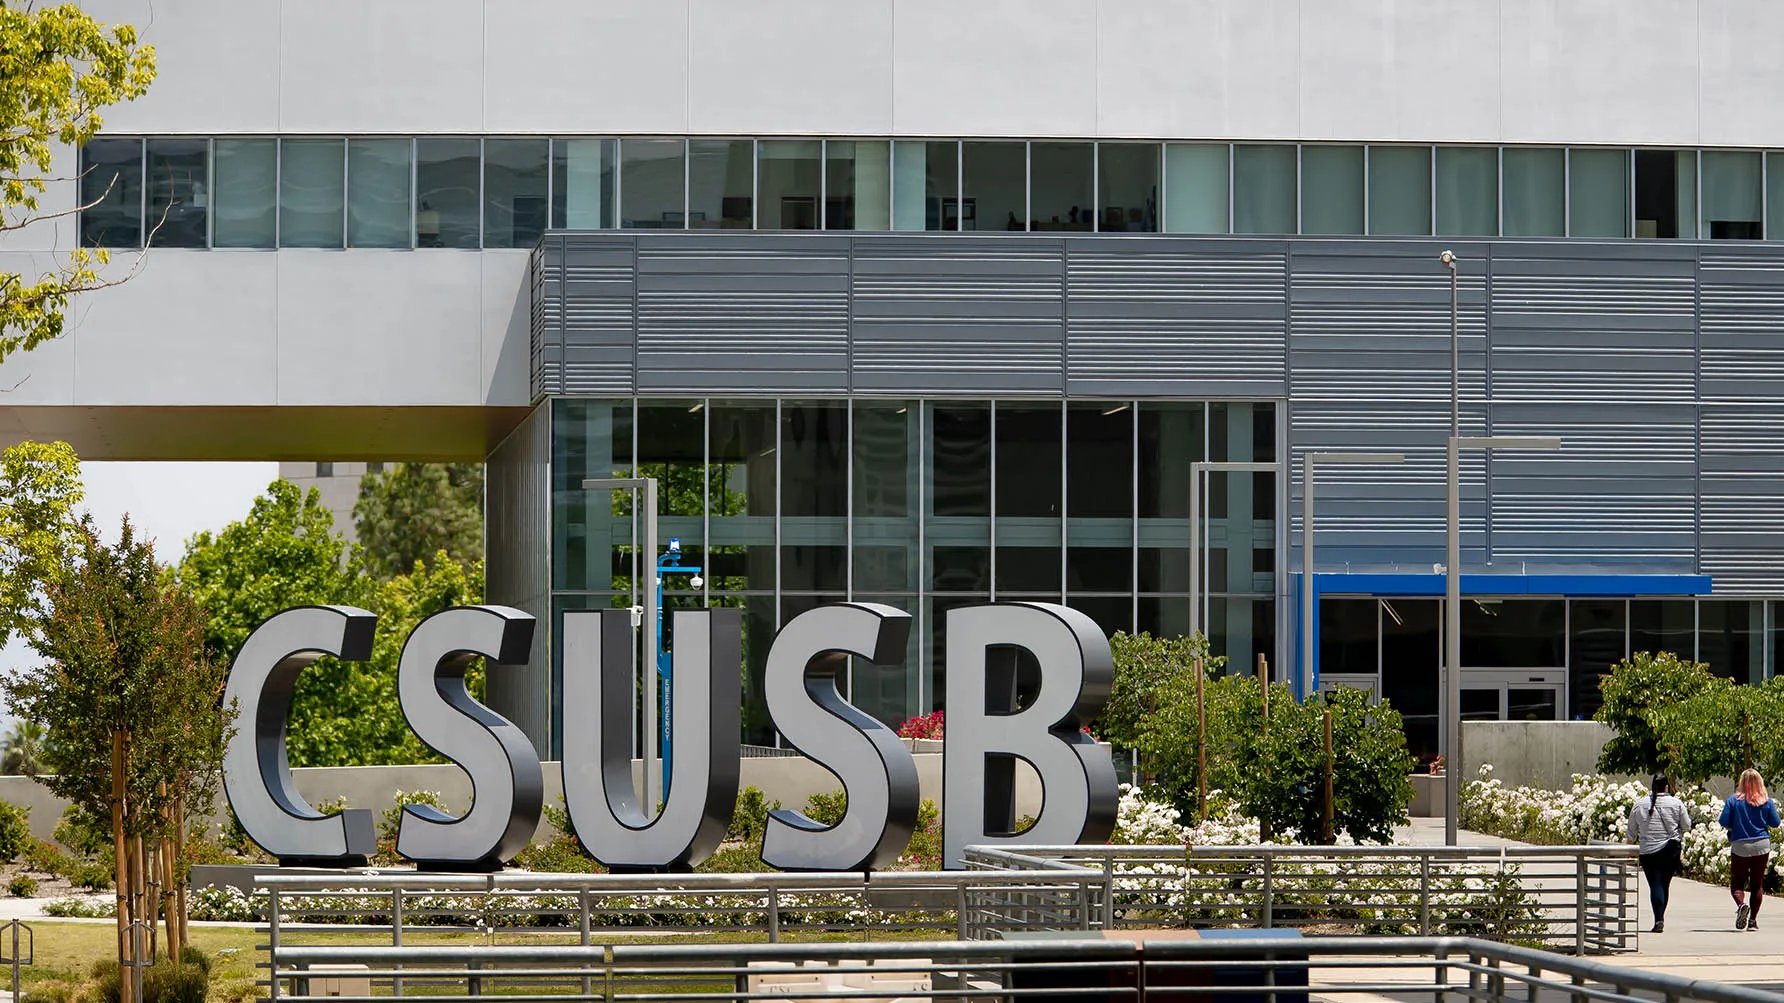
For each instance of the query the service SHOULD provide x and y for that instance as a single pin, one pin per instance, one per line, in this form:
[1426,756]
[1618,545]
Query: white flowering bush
[1595,807]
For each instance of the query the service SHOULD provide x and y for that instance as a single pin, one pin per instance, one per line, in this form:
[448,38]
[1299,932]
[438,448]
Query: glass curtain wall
[926,506]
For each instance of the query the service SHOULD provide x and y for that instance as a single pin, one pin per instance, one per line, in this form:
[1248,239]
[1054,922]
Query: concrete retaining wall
[787,779]
[1533,753]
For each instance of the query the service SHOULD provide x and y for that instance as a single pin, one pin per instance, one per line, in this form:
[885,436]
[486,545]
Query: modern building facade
[930,304]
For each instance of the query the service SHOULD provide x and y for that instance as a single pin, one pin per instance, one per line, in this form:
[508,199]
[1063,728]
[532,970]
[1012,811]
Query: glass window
[1060,176]
[378,178]
[179,192]
[1467,191]
[312,190]
[721,176]
[1514,633]
[1598,193]
[1400,190]
[926,186]
[1171,438]
[1349,641]
[653,184]
[1264,185]
[1100,498]
[1332,189]
[858,185]
[1657,625]
[958,533]
[1196,187]
[885,477]
[1411,652]
[1596,635]
[1731,638]
[1666,194]
[582,184]
[448,196]
[996,186]
[514,191]
[111,188]
[741,494]
[787,176]
[1030,450]
[1733,196]
[1127,174]
[1774,196]
[1535,192]
[589,438]
[246,176]
[814,453]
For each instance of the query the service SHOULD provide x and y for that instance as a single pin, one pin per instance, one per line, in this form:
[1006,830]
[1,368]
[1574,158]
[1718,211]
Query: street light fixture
[1452,607]
[1309,461]
[644,503]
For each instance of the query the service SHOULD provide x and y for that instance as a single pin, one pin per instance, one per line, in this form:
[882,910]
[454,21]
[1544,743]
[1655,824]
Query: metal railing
[1579,898]
[968,905]
[1136,968]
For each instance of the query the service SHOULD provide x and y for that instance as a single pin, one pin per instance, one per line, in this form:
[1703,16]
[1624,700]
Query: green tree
[21,754]
[133,706]
[411,511]
[1635,691]
[1720,730]
[286,553]
[58,69]
[40,484]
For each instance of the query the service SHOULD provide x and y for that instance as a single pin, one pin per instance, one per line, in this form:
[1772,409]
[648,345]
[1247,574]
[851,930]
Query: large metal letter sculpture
[987,733]
[256,772]
[877,771]
[505,776]
[706,718]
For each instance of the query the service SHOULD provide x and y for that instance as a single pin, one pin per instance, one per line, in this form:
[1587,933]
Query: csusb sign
[994,719]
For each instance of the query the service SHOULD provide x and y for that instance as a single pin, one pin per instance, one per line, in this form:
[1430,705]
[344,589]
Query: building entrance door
[1510,695]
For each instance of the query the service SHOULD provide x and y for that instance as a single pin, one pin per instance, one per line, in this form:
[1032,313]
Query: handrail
[347,882]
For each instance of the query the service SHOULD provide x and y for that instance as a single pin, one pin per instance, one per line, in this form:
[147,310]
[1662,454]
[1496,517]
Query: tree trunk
[179,880]
[151,851]
[121,866]
[140,921]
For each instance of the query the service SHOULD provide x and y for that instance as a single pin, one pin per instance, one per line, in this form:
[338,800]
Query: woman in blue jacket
[1749,816]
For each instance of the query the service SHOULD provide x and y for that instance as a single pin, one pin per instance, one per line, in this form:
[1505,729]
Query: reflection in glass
[721,175]
[312,192]
[111,185]
[1111,613]
[885,477]
[515,179]
[1349,637]
[1264,185]
[1028,459]
[582,184]
[1165,616]
[1538,703]
[246,173]
[1027,568]
[1332,189]
[1535,186]
[1774,196]
[1595,642]
[858,180]
[1060,177]
[926,185]
[672,449]
[1127,174]
[996,186]
[1100,457]
[1400,190]
[448,193]
[759,625]
[1196,176]
[814,451]
[741,492]
[378,176]
[960,458]
[1657,625]
[787,176]
[588,439]
[888,693]
[1241,629]
[179,192]
[1598,192]
[1731,638]
[653,184]
[1467,191]
[1733,196]
[1171,438]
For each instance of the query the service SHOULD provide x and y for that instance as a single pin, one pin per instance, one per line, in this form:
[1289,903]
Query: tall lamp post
[1452,627]
[669,564]
[1309,461]
[644,504]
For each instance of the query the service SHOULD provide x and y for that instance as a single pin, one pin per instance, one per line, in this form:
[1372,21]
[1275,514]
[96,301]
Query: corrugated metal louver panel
[1742,329]
[958,314]
[1153,316]
[544,309]
[598,280]
[760,313]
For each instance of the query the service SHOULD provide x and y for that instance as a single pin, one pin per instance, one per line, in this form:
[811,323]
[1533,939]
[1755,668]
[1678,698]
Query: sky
[167,502]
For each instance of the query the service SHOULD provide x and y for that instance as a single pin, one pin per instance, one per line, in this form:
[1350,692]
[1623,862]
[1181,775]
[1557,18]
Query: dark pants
[1748,874]
[1659,869]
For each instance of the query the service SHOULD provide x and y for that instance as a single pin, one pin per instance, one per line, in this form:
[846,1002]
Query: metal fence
[1579,898]
[1081,968]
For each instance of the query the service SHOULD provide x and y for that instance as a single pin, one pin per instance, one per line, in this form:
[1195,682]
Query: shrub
[190,955]
[1635,691]
[827,809]
[175,983]
[48,858]
[924,851]
[738,859]
[22,886]
[104,982]
[559,817]
[15,830]
[81,832]
[561,854]
[924,726]
[392,817]
[750,816]
[96,877]
[75,908]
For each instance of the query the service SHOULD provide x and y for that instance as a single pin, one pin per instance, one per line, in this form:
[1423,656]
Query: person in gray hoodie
[1657,824]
